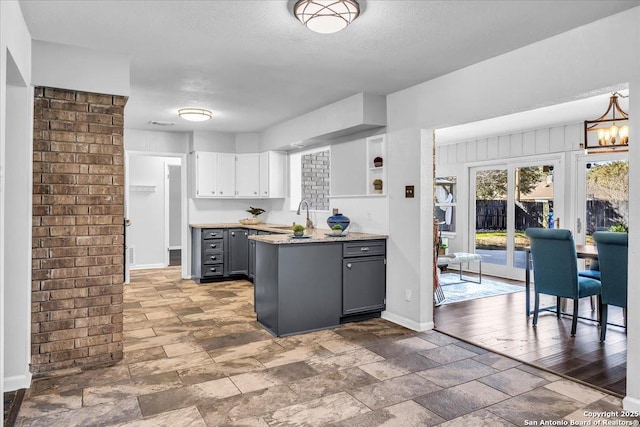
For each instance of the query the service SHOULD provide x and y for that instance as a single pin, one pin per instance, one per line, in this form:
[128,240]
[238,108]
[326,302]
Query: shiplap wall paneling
[542,141]
[515,141]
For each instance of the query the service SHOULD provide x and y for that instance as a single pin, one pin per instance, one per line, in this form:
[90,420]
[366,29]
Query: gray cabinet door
[238,251]
[252,255]
[363,284]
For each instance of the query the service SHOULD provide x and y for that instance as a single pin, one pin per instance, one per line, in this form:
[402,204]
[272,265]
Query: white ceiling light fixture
[195,114]
[326,16]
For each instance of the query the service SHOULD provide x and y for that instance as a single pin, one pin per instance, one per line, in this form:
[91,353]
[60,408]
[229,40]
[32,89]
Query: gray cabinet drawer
[364,248]
[212,234]
[211,270]
[214,244]
[212,257]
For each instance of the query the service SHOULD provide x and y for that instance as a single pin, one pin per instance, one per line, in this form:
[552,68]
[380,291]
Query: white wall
[558,69]
[77,68]
[156,142]
[632,400]
[16,124]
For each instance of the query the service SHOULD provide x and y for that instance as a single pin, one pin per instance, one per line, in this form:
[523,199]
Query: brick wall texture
[315,179]
[78,235]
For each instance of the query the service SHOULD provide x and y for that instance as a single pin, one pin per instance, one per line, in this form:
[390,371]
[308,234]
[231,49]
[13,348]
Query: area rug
[456,290]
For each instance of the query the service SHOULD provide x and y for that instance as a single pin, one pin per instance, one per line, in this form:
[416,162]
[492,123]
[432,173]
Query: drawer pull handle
[213,270]
[364,249]
[348,265]
[213,258]
[213,246]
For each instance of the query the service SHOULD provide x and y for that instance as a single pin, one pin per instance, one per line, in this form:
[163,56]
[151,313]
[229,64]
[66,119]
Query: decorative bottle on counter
[338,218]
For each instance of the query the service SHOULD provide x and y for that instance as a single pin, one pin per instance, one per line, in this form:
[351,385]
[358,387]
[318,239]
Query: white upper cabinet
[226,175]
[248,175]
[273,175]
[251,175]
[206,165]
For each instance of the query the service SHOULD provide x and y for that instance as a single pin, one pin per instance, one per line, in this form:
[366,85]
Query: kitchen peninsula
[318,281]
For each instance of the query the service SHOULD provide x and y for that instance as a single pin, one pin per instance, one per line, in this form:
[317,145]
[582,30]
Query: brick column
[78,235]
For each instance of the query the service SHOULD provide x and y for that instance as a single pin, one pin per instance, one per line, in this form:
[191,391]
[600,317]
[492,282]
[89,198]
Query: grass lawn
[498,240]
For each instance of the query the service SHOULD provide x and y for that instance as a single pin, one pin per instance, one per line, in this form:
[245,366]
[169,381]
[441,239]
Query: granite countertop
[316,236]
[273,228]
[284,233]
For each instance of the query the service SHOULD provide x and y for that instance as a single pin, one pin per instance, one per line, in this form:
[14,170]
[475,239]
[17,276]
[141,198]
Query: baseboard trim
[407,323]
[17,382]
[146,266]
[631,403]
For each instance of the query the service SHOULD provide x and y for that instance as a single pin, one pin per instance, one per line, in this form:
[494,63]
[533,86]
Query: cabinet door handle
[349,265]
[213,191]
[233,234]
[255,192]
[246,234]
[364,249]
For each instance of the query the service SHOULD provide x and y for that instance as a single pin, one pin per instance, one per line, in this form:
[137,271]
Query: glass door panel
[607,196]
[491,215]
[532,205]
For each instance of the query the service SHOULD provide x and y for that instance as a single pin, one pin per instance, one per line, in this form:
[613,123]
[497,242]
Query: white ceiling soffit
[254,65]
[555,115]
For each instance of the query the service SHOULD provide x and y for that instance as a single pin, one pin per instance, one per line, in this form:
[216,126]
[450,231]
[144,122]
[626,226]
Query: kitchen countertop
[283,236]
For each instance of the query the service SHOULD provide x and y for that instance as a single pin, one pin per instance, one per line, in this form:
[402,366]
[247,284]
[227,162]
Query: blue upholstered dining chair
[555,269]
[613,258]
[594,267]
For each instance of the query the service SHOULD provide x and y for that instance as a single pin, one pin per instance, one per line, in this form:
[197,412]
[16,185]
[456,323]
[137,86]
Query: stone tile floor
[195,356]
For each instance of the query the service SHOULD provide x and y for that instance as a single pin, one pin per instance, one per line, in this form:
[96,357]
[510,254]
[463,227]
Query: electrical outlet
[407,294]
[409,191]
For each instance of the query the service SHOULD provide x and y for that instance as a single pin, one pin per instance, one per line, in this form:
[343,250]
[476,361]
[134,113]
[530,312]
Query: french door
[506,199]
[602,196]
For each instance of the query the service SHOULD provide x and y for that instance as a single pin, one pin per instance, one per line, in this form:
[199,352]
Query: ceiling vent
[161,123]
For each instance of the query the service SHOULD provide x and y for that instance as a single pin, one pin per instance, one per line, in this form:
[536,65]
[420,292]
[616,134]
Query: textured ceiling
[255,65]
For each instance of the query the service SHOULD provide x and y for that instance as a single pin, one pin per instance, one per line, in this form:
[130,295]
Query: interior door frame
[558,160]
[185,240]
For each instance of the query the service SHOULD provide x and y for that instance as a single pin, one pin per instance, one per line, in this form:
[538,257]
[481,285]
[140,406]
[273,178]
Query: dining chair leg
[624,316]
[593,306]
[558,307]
[603,320]
[574,321]
[536,308]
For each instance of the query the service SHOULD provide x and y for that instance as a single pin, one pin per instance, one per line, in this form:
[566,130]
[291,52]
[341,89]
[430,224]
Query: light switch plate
[409,191]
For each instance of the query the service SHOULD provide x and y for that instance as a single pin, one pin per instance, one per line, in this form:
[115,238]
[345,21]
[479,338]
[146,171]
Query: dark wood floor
[499,323]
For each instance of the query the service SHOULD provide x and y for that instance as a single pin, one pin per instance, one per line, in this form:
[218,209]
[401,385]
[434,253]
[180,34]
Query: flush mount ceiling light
[609,131]
[326,16]
[195,114]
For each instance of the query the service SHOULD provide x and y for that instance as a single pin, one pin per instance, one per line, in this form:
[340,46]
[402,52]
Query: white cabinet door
[273,174]
[226,176]
[248,175]
[206,165]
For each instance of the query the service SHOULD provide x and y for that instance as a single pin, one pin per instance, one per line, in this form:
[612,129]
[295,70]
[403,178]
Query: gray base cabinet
[363,285]
[208,254]
[238,253]
[364,268]
[298,287]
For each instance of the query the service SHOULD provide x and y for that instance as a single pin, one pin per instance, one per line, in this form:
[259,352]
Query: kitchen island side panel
[309,288]
[266,285]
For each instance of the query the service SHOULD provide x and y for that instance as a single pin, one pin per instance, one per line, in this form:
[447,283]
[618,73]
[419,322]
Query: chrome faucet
[309,222]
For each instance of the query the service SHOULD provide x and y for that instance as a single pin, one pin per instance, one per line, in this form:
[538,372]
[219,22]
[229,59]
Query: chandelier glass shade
[326,16]
[195,114]
[609,131]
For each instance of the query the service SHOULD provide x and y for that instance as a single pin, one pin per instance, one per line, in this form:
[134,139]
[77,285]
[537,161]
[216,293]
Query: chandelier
[609,131]
[326,16]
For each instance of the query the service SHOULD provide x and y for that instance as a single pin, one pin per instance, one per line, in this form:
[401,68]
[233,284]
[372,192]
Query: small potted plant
[377,186]
[298,230]
[443,249]
[619,228]
[336,230]
[377,162]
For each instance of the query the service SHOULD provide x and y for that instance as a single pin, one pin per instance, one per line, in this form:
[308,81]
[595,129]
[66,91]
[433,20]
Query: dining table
[582,251]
